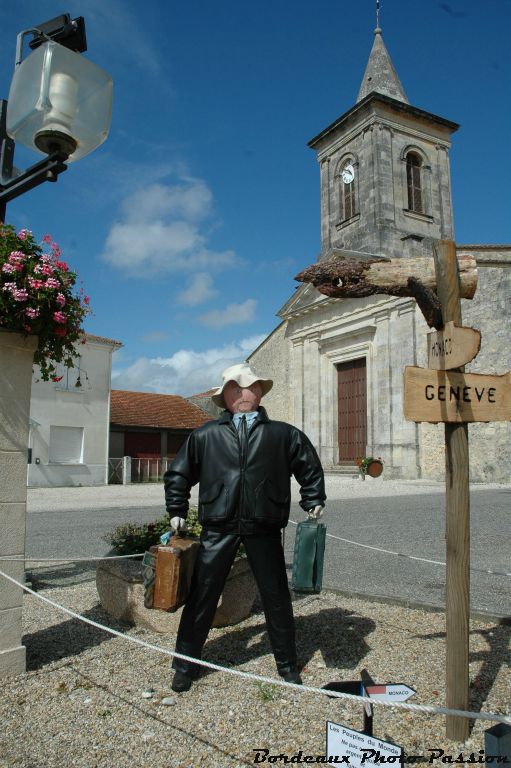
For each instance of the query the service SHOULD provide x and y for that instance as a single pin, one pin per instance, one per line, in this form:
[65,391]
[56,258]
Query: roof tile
[146,409]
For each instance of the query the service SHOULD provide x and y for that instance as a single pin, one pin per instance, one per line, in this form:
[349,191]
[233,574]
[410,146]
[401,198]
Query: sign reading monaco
[448,396]
[452,347]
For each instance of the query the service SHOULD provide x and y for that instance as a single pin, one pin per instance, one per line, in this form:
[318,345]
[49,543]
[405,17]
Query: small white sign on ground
[362,750]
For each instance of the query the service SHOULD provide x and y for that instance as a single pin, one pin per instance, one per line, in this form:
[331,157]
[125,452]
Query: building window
[66,445]
[414,182]
[348,189]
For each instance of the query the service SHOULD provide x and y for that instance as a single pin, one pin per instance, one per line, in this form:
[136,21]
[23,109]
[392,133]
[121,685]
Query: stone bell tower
[385,180]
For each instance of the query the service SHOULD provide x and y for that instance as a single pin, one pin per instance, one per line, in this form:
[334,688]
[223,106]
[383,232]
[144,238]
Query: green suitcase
[309,556]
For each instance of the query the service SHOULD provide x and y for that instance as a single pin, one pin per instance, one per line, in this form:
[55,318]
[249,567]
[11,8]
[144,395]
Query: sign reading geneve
[449,396]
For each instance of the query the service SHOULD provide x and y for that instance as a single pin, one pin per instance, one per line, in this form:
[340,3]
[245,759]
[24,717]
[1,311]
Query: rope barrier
[21,558]
[25,559]
[409,557]
[262,678]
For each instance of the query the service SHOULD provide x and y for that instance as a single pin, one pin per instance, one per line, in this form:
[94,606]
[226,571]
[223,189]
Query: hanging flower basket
[375,468]
[368,465]
[37,298]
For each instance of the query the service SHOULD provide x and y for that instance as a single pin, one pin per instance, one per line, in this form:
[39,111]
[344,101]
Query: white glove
[316,513]
[178,523]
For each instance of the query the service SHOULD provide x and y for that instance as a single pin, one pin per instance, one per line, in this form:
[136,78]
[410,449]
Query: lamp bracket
[14,182]
[70,34]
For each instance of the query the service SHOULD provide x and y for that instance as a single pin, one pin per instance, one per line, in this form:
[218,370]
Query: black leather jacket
[244,489]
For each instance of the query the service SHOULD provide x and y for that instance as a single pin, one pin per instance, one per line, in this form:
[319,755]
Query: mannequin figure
[243,462]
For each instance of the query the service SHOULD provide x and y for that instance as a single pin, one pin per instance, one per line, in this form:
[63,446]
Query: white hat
[243,375]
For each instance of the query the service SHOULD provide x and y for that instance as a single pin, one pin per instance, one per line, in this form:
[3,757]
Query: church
[338,363]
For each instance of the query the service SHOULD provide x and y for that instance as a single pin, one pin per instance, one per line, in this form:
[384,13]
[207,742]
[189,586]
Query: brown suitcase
[168,573]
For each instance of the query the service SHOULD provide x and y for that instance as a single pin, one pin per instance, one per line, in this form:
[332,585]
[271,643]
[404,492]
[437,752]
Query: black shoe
[181,682]
[293,677]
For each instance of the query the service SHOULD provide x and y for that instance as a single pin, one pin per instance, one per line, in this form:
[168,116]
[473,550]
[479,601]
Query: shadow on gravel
[496,656]
[66,575]
[69,638]
[339,635]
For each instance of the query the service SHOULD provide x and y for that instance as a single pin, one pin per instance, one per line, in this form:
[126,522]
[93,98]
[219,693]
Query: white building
[70,420]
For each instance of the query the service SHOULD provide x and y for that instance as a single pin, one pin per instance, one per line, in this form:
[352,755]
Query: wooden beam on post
[457,514]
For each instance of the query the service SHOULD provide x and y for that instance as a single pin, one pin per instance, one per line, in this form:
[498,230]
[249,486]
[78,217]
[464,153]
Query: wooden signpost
[440,393]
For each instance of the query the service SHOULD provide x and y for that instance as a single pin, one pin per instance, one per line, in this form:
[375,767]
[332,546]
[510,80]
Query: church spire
[380,75]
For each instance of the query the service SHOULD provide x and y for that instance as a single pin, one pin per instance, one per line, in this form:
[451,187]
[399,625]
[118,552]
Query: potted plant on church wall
[369,465]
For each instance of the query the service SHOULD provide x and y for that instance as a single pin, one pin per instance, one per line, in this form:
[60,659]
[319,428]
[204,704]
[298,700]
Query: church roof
[380,75]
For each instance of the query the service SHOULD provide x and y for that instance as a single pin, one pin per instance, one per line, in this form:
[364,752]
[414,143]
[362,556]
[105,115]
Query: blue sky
[189,223]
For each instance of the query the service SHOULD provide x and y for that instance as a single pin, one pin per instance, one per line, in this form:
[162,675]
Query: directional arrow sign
[452,347]
[448,396]
[390,692]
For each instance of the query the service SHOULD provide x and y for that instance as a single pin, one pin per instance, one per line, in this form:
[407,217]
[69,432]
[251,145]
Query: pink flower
[60,299]
[16,257]
[9,287]
[55,250]
[19,294]
[59,317]
[59,331]
[32,312]
[52,283]
[86,299]
[34,283]
[46,269]
[47,239]
[62,265]
[24,233]
[9,268]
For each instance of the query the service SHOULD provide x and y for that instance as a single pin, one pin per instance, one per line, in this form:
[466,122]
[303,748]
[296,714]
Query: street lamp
[60,104]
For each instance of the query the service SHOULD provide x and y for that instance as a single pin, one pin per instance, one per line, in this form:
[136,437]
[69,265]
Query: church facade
[338,364]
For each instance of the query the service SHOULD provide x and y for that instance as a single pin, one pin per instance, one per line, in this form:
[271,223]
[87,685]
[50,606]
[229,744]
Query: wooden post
[457,514]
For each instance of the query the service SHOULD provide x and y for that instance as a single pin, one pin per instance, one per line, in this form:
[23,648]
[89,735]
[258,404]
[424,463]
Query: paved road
[406,518]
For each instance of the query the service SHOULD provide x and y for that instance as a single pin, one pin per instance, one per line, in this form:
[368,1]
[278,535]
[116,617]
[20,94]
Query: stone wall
[16,355]
[271,361]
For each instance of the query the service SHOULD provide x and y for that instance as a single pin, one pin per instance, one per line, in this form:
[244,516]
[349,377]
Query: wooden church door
[352,409]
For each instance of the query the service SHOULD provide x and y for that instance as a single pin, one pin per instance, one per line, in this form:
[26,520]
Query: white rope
[21,558]
[261,678]
[409,557]
[26,559]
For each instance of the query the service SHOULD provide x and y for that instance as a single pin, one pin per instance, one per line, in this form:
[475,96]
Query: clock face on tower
[348,173]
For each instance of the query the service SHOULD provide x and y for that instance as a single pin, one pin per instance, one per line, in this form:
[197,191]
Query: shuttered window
[414,182]
[66,445]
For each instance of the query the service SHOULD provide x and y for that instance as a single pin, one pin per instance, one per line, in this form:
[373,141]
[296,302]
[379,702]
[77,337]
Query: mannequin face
[242,399]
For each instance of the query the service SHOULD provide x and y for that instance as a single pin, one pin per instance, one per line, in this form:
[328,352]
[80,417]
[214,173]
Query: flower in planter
[364,462]
[37,298]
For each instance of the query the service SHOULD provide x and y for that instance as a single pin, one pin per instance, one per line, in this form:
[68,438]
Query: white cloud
[154,337]
[200,290]
[158,231]
[186,372]
[233,314]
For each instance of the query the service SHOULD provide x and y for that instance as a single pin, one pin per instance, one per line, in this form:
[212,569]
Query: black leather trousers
[214,561]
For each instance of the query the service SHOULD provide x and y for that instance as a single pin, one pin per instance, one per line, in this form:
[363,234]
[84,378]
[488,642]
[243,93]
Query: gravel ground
[82,701]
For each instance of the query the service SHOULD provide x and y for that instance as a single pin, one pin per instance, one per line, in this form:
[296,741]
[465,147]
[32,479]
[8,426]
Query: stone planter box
[121,593]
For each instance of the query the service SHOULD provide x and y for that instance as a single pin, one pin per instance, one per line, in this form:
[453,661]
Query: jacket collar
[226,416]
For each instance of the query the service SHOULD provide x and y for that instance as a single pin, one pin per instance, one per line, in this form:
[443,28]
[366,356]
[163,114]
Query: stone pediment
[305,298]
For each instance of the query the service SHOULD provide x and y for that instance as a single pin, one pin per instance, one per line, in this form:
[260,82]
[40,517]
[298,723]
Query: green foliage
[136,538]
[267,691]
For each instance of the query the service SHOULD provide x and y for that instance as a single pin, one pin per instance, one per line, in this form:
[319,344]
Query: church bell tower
[384,164]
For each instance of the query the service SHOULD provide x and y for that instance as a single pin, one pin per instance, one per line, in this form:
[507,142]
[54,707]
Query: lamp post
[60,105]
